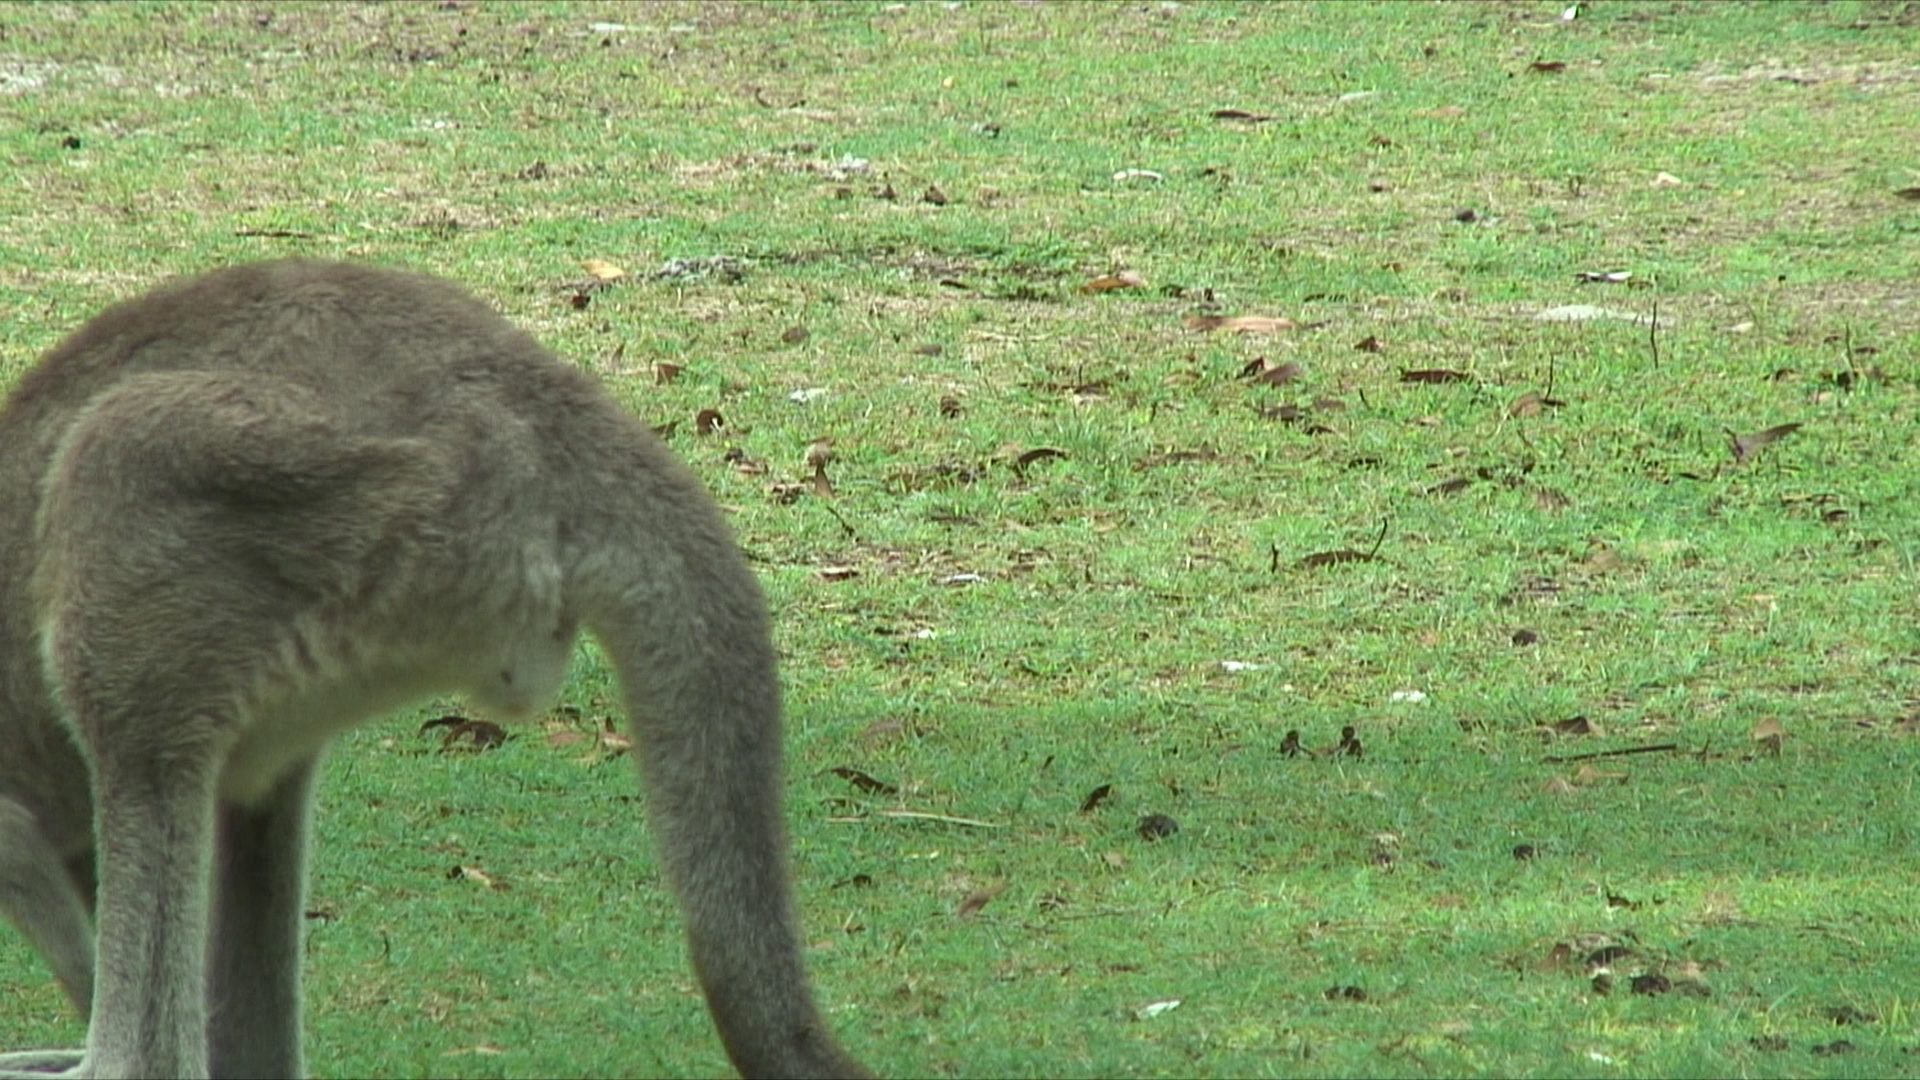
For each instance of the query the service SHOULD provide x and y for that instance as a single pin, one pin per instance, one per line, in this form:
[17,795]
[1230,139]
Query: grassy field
[1187,386]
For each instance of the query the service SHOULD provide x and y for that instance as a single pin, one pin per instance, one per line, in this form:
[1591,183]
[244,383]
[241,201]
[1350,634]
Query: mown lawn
[1189,375]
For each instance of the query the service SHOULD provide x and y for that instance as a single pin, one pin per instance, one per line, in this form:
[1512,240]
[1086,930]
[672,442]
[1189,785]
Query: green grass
[1674,595]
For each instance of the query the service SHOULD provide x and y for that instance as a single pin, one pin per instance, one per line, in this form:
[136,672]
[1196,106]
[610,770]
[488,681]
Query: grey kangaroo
[248,511]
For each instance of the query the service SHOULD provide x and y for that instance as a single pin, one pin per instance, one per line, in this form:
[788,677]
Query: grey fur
[250,510]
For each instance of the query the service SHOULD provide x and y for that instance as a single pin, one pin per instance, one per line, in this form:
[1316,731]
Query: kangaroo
[250,510]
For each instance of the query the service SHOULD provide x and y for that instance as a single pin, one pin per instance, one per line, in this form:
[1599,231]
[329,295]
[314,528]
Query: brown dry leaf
[882,731]
[602,270]
[1745,446]
[1241,324]
[839,573]
[863,782]
[1769,733]
[794,335]
[978,899]
[1911,194]
[1266,371]
[1547,67]
[1557,786]
[708,421]
[1095,798]
[1575,725]
[1370,343]
[1588,776]
[1336,558]
[1037,454]
[1239,114]
[1124,279]
[1435,376]
[664,373]
[480,734]
[560,740]
[613,742]
[933,196]
[477,876]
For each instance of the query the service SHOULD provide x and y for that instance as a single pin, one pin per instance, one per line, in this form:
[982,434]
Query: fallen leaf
[1123,279]
[1266,371]
[934,196]
[1911,194]
[978,899]
[1547,67]
[1769,733]
[862,782]
[664,373]
[1038,454]
[1239,114]
[708,421]
[1336,558]
[1240,324]
[1369,344]
[1588,776]
[602,270]
[1157,827]
[1095,798]
[839,573]
[1745,446]
[794,335]
[477,876]
[1435,376]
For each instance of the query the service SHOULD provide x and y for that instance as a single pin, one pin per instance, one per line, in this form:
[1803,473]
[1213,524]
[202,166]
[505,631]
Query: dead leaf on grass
[1336,558]
[602,270]
[1240,114]
[664,373]
[1157,827]
[1769,734]
[1745,446]
[1263,370]
[1240,324]
[1911,194]
[477,876]
[1547,67]
[1370,343]
[1435,376]
[1532,403]
[838,573]
[1124,279]
[1095,798]
[708,421]
[1588,776]
[977,899]
[862,782]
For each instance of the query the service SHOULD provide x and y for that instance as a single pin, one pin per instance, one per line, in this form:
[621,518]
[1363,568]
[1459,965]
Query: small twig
[920,815]
[1656,748]
[1653,331]
[829,508]
[1374,551]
